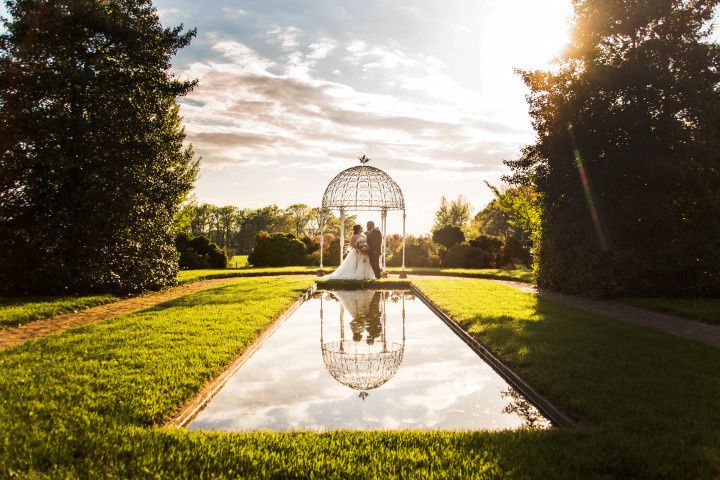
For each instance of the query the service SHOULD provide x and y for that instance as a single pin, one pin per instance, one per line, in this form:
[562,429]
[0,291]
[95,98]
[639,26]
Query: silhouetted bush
[216,257]
[466,256]
[515,252]
[311,245]
[277,250]
[491,245]
[448,236]
[197,253]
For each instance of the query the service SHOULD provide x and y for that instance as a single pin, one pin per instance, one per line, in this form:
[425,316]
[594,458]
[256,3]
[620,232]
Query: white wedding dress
[356,265]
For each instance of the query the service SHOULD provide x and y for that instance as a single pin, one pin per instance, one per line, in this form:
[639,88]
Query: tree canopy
[453,213]
[92,161]
[627,157]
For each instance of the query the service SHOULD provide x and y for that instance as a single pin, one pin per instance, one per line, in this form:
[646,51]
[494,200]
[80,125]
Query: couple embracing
[363,260]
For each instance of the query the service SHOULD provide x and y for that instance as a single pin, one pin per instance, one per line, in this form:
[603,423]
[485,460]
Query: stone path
[59,323]
[681,327]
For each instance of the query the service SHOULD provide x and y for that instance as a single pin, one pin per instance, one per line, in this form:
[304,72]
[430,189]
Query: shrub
[419,252]
[200,244]
[515,251]
[491,245]
[466,256]
[198,252]
[277,250]
[331,253]
[216,257]
[311,245]
[448,236]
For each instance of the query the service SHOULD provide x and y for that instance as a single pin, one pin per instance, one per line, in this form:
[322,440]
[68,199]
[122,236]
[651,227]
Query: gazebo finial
[364,159]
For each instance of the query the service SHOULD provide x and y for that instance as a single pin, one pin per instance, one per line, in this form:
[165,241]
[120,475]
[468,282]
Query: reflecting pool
[366,360]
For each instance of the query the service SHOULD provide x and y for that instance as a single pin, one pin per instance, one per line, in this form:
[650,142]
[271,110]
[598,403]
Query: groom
[374,241]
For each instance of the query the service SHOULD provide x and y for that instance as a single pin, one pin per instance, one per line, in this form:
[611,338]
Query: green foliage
[419,252]
[235,229]
[277,250]
[514,217]
[625,162]
[448,236]
[454,213]
[92,162]
[189,276]
[464,255]
[199,253]
[17,311]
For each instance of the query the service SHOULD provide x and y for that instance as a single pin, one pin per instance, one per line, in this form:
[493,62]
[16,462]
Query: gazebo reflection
[362,354]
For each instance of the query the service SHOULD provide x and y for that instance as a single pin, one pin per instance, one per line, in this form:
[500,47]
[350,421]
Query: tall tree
[300,216]
[92,162]
[454,213]
[627,157]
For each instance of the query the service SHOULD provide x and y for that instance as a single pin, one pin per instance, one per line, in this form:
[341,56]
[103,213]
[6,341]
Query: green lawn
[186,276]
[88,403]
[702,309]
[238,261]
[519,274]
[17,311]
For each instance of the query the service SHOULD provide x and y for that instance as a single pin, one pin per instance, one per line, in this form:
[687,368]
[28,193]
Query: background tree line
[500,235]
[235,229]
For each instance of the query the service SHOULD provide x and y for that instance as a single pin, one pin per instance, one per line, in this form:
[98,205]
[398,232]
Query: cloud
[249,109]
[234,12]
[286,37]
[321,48]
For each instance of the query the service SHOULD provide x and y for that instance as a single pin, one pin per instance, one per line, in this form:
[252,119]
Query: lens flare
[589,195]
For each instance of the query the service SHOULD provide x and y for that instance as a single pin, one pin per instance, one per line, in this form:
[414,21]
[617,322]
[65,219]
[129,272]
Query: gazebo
[363,188]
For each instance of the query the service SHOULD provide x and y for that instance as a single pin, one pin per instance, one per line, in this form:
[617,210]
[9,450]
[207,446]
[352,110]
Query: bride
[356,265]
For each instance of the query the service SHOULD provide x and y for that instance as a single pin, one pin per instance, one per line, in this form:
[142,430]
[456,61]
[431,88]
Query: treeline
[235,230]
[501,235]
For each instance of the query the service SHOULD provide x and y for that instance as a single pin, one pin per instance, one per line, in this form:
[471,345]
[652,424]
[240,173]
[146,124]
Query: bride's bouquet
[361,245]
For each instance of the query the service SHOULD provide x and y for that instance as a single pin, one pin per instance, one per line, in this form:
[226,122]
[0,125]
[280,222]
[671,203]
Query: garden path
[62,322]
[681,327]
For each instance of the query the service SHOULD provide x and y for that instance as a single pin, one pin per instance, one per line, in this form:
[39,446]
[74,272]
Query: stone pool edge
[192,407]
[550,411]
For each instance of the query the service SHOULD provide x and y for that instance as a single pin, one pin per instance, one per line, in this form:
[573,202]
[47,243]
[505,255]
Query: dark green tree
[92,162]
[627,157]
[448,236]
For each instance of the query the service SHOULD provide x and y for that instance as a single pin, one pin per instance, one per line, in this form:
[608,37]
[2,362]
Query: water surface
[366,360]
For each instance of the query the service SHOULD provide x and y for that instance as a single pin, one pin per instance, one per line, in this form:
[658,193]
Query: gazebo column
[342,234]
[403,274]
[383,249]
[321,272]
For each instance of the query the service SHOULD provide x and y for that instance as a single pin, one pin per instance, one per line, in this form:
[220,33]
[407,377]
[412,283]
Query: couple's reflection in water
[369,354]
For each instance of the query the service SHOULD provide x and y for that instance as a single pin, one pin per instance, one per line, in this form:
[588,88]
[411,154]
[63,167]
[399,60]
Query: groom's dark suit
[374,240]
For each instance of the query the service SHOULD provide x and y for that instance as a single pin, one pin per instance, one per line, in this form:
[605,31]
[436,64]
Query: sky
[291,92]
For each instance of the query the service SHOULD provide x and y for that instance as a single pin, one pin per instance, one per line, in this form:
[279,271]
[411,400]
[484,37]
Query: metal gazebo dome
[363,188]
[360,365]
[361,371]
